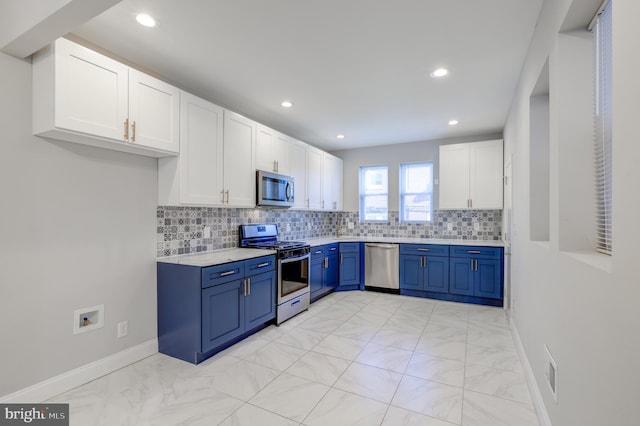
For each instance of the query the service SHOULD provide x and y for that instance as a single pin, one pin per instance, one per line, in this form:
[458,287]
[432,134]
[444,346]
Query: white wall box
[471,175]
[82,96]
[298,170]
[272,151]
[331,182]
[196,176]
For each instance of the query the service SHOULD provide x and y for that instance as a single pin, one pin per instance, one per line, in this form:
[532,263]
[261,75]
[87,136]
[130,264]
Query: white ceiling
[358,67]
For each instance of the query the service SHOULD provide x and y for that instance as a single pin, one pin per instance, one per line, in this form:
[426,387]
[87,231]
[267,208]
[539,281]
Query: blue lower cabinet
[202,311]
[324,270]
[350,266]
[436,273]
[260,302]
[462,276]
[411,273]
[222,314]
[478,272]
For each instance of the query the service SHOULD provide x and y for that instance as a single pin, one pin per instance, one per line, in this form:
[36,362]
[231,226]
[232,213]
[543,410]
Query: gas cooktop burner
[277,245]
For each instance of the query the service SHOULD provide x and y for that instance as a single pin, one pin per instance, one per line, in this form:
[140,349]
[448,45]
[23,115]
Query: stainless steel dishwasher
[381,266]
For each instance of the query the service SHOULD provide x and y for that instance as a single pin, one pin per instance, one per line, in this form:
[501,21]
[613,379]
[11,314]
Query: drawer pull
[224,274]
[262,265]
[317,252]
[474,251]
[332,249]
[423,249]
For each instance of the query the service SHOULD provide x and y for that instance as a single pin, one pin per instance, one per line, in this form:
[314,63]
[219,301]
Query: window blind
[602,129]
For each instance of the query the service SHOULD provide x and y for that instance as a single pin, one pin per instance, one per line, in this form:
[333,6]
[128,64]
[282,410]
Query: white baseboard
[72,379]
[538,402]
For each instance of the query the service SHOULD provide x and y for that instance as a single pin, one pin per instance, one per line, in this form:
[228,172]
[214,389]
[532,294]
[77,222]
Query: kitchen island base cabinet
[202,311]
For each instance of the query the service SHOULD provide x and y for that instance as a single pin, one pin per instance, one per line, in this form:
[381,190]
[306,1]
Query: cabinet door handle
[423,249]
[225,274]
[244,287]
[126,129]
[341,259]
[222,196]
[474,251]
[326,262]
[249,286]
[275,166]
[227,193]
[133,129]
[425,262]
[262,265]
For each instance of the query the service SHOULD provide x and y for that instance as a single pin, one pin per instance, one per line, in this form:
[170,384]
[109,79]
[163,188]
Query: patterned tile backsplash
[181,229]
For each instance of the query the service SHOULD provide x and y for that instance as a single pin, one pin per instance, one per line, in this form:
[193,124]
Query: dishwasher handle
[382,246]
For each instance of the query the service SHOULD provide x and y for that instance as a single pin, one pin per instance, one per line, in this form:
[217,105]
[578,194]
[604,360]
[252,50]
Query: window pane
[416,192]
[374,191]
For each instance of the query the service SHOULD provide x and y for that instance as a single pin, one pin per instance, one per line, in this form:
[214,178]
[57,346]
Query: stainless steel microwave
[274,190]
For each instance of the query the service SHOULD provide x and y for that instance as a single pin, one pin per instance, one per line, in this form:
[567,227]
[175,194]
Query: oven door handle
[295,259]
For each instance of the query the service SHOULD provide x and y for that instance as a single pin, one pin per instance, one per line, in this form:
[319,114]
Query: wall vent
[551,373]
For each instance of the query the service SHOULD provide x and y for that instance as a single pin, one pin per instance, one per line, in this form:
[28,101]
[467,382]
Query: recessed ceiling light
[340,136]
[146,20]
[453,122]
[440,72]
[286,104]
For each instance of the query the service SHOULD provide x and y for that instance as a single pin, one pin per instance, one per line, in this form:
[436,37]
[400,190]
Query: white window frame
[364,195]
[402,193]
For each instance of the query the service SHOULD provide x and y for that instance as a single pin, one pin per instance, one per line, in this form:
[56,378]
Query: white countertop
[395,240]
[216,257]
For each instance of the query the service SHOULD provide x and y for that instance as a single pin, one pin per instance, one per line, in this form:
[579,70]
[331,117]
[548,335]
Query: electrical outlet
[476,226]
[123,329]
[206,233]
[449,226]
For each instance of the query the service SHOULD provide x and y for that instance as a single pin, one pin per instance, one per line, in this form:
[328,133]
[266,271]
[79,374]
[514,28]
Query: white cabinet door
[298,170]
[471,175]
[281,152]
[239,160]
[331,182]
[265,143]
[314,178]
[454,176]
[201,161]
[154,108]
[90,91]
[486,185]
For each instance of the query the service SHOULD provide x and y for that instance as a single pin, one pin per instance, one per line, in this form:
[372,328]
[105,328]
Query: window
[602,121]
[416,192]
[374,193]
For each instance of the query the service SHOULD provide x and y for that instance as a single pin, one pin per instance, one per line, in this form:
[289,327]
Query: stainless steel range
[293,267]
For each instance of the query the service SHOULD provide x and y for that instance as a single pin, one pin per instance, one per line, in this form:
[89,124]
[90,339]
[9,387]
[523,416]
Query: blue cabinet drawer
[260,265]
[349,247]
[330,249]
[317,252]
[214,275]
[477,252]
[424,249]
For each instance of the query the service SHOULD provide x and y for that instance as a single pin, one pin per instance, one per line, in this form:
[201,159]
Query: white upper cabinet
[272,151]
[239,160]
[331,182]
[82,96]
[298,157]
[154,112]
[314,179]
[471,175]
[196,176]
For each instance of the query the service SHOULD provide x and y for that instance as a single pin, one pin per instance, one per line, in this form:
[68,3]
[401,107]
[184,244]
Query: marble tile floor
[355,358]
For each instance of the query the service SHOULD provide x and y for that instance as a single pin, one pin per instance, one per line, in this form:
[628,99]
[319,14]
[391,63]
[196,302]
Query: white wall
[584,306]
[393,155]
[77,229]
